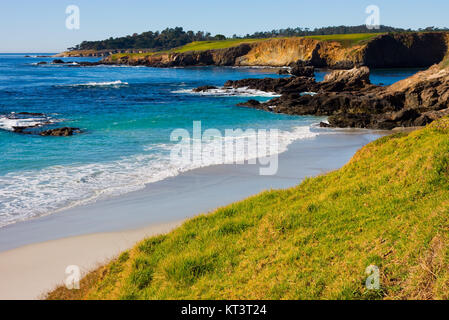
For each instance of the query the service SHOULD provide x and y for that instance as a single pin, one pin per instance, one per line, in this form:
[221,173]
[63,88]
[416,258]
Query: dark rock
[276,85]
[300,70]
[31,114]
[405,50]
[60,132]
[349,99]
[58,61]
[347,80]
[21,130]
[301,63]
[204,88]
[349,120]
[41,63]
[345,64]
[283,71]
[250,103]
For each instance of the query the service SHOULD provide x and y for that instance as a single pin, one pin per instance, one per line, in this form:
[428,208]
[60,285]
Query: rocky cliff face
[349,99]
[384,51]
[220,57]
[405,50]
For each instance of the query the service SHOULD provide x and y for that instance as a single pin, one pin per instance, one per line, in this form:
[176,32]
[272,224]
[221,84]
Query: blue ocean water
[127,115]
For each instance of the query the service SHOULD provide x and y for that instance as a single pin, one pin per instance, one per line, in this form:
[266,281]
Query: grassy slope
[213,45]
[346,39]
[388,206]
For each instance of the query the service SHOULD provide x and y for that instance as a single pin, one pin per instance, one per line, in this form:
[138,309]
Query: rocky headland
[349,99]
[395,50]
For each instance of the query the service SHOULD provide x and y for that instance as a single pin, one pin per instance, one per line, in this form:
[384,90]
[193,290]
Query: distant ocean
[127,115]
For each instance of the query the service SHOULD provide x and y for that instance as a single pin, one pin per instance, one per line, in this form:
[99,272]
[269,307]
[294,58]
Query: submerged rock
[250,103]
[60,132]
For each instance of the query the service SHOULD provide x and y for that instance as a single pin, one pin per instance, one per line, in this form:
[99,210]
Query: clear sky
[40,26]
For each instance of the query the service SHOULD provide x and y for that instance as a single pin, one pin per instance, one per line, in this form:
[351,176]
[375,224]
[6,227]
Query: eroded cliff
[382,51]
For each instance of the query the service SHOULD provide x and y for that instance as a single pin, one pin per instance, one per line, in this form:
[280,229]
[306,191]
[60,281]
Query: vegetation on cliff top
[387,207]
[163,40]
[214,45]
[347,40]
[175,37]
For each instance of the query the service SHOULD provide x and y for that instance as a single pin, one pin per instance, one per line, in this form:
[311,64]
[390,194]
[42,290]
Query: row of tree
[159,40]
[176,37]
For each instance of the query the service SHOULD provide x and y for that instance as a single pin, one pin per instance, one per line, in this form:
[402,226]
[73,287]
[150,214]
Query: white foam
[9,122]
[116,83]
[24,195]
[307,93]
[241,92]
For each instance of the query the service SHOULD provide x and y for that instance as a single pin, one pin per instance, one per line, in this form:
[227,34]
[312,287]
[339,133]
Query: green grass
[213,45]
[347,40]
[389,206]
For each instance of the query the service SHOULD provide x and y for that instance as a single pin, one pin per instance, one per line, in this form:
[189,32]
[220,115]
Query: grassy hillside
[389,207]
[212,45]
[346,39]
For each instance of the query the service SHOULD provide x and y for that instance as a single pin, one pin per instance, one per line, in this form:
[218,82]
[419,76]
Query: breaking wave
[241,92]
[33,193]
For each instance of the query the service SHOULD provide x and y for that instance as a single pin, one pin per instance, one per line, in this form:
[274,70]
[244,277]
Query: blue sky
[39,26]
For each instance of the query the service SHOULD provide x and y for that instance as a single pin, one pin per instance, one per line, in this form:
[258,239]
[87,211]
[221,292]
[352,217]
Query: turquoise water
[382,77]
[127,115]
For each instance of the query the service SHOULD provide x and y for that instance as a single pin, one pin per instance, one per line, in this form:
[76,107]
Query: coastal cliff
[381,51]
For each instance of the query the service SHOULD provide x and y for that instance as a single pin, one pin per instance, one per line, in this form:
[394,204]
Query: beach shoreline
[35,253]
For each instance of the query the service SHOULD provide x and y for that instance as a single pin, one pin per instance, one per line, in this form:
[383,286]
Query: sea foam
[33,193]
[116,83]
[10,121]
[241,92]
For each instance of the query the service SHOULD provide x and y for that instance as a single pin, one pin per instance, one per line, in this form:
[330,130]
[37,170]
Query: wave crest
[29,194]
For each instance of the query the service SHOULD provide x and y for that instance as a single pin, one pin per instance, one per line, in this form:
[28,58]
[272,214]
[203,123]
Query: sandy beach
[34,254]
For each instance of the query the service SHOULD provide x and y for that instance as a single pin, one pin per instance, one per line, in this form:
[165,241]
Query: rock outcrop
[349,99]
[342,80]
[204,88]
[299,70]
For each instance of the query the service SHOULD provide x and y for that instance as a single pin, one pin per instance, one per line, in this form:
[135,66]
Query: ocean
[127,115]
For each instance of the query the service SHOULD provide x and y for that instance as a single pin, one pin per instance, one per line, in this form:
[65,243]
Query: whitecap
[116,83]
[227,91]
